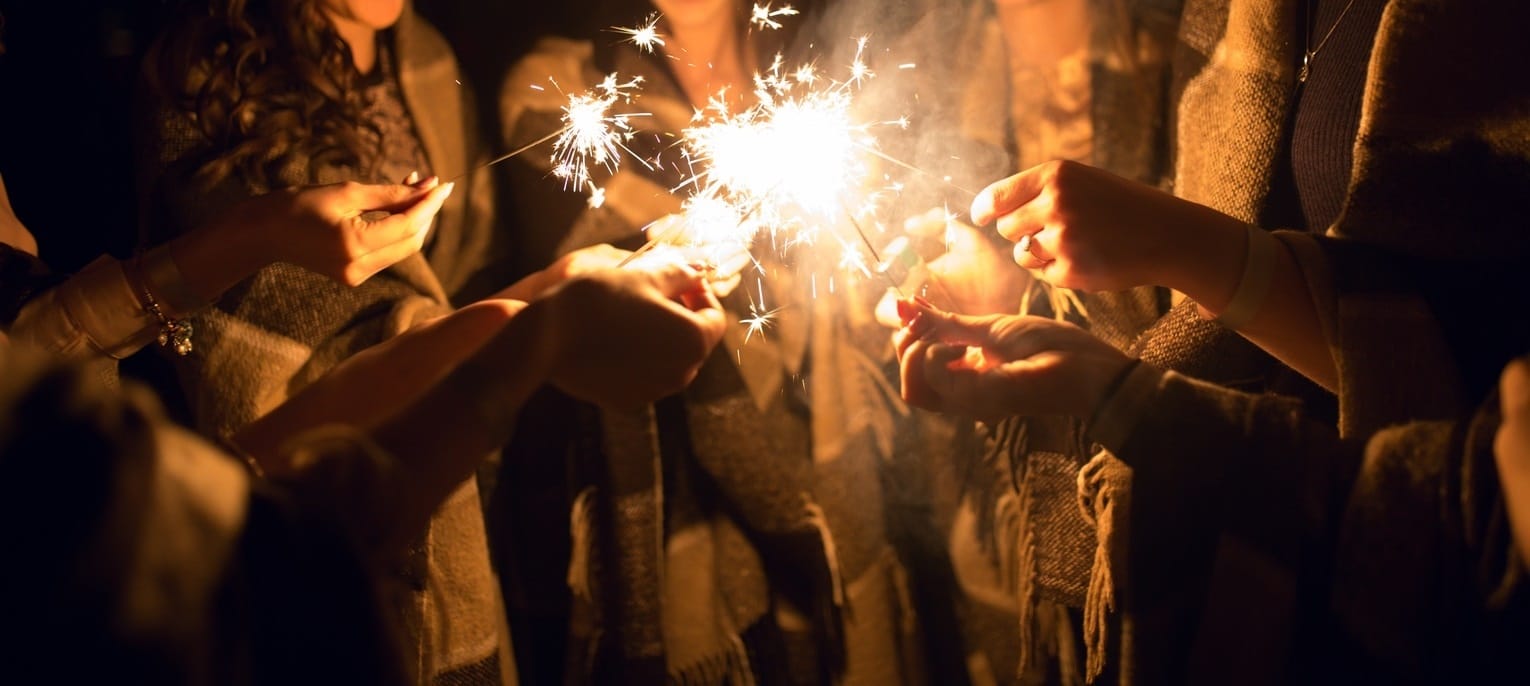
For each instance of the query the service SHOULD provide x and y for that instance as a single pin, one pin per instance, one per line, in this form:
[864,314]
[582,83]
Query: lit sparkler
[590,133]
[765,17]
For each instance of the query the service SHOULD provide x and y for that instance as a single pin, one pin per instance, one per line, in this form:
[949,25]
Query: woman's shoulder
[542,79]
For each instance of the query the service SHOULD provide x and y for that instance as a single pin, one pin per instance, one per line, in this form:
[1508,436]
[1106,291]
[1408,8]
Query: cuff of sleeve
[1118,415]
[94,311]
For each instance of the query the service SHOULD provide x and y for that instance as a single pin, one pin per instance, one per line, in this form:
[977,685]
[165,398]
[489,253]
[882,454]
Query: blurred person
[163,558]
[758,537]
[249,97]
[1257,505]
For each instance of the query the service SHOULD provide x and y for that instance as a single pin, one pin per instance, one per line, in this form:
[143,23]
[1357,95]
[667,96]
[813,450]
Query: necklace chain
[1310,52]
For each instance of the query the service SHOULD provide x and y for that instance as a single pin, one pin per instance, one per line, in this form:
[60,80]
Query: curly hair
[268,84]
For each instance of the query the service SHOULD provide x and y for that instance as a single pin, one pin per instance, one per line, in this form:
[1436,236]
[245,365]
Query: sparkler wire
[510,154]
[912,168]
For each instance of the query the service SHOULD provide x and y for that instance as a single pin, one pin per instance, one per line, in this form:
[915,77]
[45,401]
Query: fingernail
[982,208]
[449,187]
[412,178]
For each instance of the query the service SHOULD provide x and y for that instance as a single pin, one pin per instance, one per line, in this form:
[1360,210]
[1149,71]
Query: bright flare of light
[764,17]
[792,151]
[591,134]
[645,36]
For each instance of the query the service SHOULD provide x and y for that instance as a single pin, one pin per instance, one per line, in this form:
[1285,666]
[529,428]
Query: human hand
[587,260]
[339,230]
[626,337]
[1091,230]
[976,276]
[1511,450]
[993,366]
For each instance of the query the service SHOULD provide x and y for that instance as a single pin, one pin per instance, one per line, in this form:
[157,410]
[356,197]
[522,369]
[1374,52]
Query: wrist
[1208,259]
[214,257]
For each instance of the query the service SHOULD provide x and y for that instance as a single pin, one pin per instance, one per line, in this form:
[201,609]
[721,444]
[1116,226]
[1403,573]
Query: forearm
[210,260]
[376,383]
[1284,319]
[441,437]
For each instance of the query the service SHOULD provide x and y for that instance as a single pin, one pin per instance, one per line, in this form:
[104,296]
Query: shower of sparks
[591,134]
[765,17]
[791,158]
[646,36]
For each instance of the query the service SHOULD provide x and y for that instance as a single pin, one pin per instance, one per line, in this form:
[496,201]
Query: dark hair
[266,83]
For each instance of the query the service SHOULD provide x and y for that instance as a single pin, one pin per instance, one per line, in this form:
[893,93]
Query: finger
[1514,388]
[359,198]
[950,328]
[412,178]
[941,363]
[673,279]
[1030,255]
[1005,196]
[404,226]
[365,266]
[916,392]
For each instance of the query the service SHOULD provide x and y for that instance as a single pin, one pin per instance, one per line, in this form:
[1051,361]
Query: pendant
[1301,74]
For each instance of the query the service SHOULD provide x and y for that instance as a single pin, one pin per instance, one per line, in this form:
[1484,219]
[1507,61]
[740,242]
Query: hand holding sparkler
[994,366]
[1081,227]
[649,328]
[345,231]
[975,274]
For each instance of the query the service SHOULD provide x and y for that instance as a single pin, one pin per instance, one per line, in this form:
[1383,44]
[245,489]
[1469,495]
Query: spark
[597,197]
[906,65]
[859,72]
[764,16]
[759,317]
[645,36]
[591,134]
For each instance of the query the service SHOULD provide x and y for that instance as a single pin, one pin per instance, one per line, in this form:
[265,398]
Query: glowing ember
[764,16]
[646,36]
